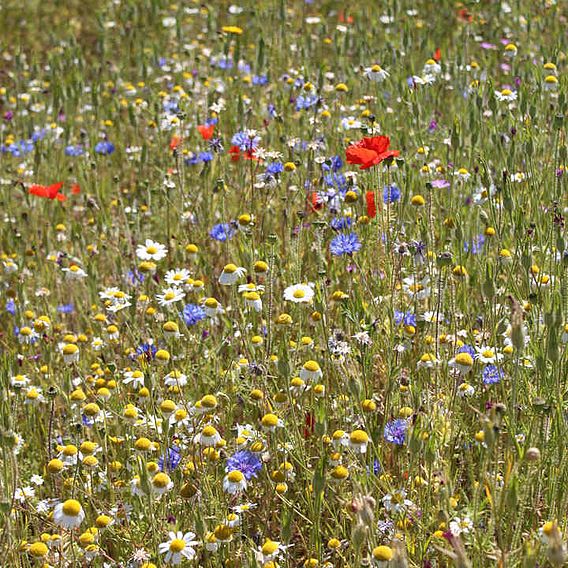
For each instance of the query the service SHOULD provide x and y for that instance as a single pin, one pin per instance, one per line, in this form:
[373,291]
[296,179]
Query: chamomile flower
[375,73]
[170,296]
[506,95]
[177,277]
[463,362]
[69,514]
[74,272]
[180,547]
[234,482]
[299,293]
[488,355]
[311,371]
[151,250]
[231,273]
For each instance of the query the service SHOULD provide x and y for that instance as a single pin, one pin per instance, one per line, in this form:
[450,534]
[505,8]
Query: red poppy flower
[175,142]
[310,425]
[236,154]
[369,152]
[437,55]
[48,191]
[371,206]
[75,189]
[315,201]
[206,131]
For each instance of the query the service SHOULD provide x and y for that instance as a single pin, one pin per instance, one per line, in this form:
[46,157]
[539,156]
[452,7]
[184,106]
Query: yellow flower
[235,30]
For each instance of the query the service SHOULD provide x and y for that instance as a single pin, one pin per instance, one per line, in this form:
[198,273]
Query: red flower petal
[206,131]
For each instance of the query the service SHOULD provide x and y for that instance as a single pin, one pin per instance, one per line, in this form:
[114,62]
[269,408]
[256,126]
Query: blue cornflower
[305,102]
[11,306]
[344,244]
[192,314]
[391,194]
[467,349]
[245,141]
[104,148]
[337,180]
[475,246]
[192,160]
[38,135]
[171,459]
[66,308]
[205,157]
[271,109]
[275,168]
[260,80]
[222,232]
[248,463]
[340,223]
[134,277]
[335,164]
[405,318]
[244,67]
[74,151]
[146,350]
[19,149]
[395,431]
[492,375]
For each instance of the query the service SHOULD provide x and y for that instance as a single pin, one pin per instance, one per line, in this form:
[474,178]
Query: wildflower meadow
[283,284]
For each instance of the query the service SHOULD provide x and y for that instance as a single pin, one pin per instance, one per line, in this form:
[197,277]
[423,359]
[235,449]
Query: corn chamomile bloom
[177,277]
[208,437]
[269,551]
[463,362]
[299,293]
[170,296]
[311,371]
[234,482]
[488,355]
[231,273]
[506,95]
[212,307]
[358,441]
[161,483]
[179,547]
[69,514]
[375,73]
[74,272]
[151,250]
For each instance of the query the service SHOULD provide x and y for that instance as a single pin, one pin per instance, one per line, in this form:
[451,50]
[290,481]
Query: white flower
[506,95]
[208,436]
[170,296]
[299,293]
[459,526]
[151,250]
[488,354]
[19,381]
[177,277]
[97,343]
[134,377]
[231,273]
[396,502]
[74,272]
[431,67]
[175,378]
[234,482]
[270,550]
[350,123]
[161,483]
[179,546]
[375,73]
[68,515]
[311,371]
[253,301]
